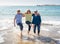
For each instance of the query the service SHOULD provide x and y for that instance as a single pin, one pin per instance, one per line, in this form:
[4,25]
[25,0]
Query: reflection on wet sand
[26,41]
[13,38]
[34,40]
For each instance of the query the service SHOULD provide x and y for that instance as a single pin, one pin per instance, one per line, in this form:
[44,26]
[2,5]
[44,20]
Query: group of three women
[31,18]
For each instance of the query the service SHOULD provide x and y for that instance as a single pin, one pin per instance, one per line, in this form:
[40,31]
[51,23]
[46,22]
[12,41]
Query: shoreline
[12,36]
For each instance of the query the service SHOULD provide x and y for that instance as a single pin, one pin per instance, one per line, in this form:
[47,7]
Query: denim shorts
[20,25]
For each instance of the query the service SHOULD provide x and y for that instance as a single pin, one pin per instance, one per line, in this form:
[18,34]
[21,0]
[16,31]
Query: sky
[29,2]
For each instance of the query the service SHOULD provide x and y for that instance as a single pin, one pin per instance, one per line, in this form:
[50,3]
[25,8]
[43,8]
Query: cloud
[28,2]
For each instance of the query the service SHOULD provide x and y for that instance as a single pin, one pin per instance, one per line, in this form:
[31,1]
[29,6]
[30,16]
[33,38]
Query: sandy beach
[49,34]
[12,36]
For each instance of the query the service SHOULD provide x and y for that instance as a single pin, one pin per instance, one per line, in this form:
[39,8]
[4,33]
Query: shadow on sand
[41,39]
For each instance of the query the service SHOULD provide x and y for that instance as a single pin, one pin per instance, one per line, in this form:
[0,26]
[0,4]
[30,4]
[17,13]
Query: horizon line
[34,5]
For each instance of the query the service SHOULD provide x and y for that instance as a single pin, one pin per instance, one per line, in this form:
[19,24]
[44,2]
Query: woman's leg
[34,28]
[21,28]
[38,29]
[20,25]
[29,28]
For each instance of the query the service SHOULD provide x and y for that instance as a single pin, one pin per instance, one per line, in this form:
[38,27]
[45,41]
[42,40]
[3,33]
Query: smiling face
[28,12]
[18,11]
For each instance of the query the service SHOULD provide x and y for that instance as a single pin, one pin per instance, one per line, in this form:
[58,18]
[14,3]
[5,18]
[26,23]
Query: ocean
[50,16]
[48,13]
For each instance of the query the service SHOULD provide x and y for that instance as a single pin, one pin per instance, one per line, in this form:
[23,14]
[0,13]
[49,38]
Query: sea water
[48,13]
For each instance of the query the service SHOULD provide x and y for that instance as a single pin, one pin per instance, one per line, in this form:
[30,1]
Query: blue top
[18,18]
[36,19]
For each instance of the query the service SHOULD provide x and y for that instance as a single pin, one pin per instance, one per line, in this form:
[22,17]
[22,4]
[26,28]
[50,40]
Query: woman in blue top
[36,21]
[18,20]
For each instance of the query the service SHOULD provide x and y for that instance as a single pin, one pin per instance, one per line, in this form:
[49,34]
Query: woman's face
[28,11]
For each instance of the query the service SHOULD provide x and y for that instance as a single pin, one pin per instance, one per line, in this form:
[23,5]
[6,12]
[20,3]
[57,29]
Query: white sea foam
[1,39]
[8,23]
[45,29]
[51,22]
[58,31]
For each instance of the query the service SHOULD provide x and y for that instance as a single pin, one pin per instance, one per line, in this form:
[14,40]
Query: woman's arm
[23,15]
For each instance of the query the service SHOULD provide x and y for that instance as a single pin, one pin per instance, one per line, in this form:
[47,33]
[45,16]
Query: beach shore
[49,34]
[12,36]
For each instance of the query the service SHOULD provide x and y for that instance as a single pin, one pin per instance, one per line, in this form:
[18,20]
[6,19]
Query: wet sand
[11,35]
[14,37]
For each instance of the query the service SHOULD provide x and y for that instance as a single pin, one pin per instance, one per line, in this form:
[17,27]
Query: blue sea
[48,13]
